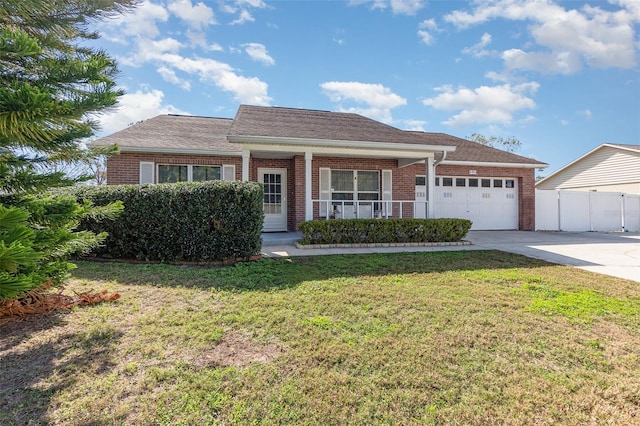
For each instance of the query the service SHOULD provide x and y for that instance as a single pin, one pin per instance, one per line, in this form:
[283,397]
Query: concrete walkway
[614,254]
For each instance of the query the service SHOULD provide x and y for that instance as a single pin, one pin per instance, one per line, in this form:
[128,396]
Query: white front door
[275,199]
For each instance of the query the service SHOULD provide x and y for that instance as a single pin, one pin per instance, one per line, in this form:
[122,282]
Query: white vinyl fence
[561,210]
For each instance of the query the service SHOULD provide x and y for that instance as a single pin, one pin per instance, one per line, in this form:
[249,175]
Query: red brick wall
[125,168]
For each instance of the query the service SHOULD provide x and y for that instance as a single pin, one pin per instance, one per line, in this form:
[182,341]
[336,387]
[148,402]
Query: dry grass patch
[475,337]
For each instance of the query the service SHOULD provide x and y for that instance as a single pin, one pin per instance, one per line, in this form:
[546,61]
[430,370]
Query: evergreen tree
[51,88]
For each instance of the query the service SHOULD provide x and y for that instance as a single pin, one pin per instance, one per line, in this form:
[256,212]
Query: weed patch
[584,306]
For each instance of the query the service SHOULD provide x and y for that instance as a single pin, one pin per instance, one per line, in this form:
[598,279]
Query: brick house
[321,164]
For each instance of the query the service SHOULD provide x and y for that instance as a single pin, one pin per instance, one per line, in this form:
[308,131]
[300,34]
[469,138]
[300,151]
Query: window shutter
[386,192]
[147,169]
[228,172]
[325,189]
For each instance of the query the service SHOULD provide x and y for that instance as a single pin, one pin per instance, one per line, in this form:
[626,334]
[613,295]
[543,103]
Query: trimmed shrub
[196,221]
[363,231]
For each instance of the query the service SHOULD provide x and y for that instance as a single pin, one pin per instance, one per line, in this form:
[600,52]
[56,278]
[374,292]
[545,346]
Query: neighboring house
[321,164]
[607,168]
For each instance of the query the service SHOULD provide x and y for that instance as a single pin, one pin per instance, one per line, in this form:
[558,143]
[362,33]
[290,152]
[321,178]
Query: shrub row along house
[321,164]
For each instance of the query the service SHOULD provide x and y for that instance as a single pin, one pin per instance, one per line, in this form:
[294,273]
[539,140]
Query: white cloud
[478,49]
[378,100]
[169,75]
[258,52]
[197,38]
[149,49]
[564,122]
[250,90]
[416,125]
[242,7]
[586,113]
[485,104]
[215,47]
[245,16]
[632,9]
[398,7]
[197,17]
[543,62]
[526,120]
[566,38]
[406,7]
[256,4]
[140,23]
[134,107]
[426,29]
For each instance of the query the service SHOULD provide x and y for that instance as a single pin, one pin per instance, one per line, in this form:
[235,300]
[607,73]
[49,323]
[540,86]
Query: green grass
[470,337]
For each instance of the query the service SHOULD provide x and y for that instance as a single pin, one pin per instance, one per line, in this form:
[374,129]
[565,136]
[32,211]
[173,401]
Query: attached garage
[491,203]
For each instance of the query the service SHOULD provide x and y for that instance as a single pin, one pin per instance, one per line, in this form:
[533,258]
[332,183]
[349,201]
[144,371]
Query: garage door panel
[489,208]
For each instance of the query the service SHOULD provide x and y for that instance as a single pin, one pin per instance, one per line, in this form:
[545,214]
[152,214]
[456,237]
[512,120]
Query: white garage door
[491,203]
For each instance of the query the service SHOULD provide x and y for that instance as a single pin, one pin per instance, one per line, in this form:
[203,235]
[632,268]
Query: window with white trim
[172,173]
[355,185]
[202,173]
[346,187]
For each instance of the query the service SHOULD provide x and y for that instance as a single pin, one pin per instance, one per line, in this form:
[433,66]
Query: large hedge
[199,222]
[359,231]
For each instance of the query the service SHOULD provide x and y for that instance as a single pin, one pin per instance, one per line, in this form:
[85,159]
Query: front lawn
[469,337]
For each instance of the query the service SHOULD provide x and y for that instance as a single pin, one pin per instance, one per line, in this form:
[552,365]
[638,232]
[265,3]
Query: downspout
[444,156]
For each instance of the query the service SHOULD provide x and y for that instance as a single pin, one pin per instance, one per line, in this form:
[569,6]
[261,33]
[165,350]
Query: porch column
[308,204]
[431,184]
[245,165]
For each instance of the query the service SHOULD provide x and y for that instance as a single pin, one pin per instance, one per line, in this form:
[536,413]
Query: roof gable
[605,164]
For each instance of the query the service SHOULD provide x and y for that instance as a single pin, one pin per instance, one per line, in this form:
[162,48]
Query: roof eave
[183,151]
[624,148]
[496,164]
[303,142]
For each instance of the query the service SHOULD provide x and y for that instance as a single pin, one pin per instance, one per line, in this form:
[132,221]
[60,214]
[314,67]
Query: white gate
[562,210]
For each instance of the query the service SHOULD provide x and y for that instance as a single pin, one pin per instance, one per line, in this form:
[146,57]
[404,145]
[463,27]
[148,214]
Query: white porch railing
[368,209]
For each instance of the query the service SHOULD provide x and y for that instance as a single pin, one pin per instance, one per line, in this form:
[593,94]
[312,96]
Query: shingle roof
[296,123]
[472,151]
[184,132]
[205,134]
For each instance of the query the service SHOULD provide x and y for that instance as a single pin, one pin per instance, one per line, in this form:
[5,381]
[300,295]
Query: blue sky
[562,77]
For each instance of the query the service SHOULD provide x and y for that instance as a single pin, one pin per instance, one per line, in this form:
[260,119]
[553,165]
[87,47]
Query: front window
[355,185]
[172,173]
[368,185]
[352,185]
[201,173]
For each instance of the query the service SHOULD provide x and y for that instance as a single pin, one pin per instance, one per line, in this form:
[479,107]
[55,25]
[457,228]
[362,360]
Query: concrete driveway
[616,254]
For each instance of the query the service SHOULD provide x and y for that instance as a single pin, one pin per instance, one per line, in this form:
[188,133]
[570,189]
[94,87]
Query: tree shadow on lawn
[33,373]
[280,273]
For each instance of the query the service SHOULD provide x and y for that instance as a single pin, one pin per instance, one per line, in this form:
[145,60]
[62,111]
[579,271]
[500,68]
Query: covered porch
[307,180]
